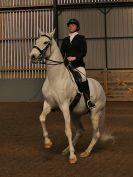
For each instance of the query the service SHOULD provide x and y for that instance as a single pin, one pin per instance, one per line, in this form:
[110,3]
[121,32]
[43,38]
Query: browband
[46,36]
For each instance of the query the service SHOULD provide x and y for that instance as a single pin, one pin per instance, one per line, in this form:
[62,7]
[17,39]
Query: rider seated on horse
[74,49]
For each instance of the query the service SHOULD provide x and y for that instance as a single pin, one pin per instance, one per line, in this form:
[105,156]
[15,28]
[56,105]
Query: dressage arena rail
[118,84]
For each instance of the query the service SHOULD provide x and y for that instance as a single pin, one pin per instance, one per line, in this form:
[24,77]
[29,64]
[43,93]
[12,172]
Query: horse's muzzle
[39,59]
[34,60]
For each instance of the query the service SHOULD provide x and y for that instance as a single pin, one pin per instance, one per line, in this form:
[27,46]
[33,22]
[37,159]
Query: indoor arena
[42,98]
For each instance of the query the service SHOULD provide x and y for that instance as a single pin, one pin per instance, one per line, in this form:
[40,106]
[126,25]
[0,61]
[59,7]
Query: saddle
[77,78]
[76,74]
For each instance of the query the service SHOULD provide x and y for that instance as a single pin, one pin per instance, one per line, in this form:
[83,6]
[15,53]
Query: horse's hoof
[73,160]
[84,154]
[48,145]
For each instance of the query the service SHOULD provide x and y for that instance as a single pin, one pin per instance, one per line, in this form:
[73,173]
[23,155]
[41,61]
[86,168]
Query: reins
[55,62]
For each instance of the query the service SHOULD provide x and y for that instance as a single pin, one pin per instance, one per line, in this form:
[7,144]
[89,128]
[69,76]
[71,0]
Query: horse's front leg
[79,130]
[45,112]
[66,114]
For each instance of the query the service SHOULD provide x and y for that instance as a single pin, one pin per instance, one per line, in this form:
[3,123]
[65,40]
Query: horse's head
[42,48]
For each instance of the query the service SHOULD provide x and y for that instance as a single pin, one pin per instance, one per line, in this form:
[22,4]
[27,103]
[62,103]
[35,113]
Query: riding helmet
[74,21]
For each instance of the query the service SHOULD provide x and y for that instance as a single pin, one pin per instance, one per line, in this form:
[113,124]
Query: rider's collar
[72,35]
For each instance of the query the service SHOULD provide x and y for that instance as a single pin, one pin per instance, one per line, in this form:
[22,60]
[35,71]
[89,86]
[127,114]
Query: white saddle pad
[91,87]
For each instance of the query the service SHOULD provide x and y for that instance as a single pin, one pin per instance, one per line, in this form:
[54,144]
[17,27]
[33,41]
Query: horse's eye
[46,42]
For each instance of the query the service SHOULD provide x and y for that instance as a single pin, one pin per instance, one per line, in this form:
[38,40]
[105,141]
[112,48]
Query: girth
[75,101]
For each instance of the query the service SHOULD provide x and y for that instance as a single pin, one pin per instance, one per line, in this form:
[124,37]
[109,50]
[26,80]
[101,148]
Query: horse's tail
[106,134]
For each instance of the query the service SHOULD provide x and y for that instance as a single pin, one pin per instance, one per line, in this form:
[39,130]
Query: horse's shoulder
[46,85]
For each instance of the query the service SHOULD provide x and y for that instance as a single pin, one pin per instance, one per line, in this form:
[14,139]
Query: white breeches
[82,72]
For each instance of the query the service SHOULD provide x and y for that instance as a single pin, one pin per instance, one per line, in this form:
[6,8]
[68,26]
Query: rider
[74,49]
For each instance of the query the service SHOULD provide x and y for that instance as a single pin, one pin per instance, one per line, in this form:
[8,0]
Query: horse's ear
[52,33]
[40,32]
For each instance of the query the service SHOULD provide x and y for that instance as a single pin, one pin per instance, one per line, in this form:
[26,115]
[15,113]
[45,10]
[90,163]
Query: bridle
[43,51]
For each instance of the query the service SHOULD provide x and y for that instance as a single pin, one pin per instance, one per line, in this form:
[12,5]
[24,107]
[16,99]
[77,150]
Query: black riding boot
[86,93]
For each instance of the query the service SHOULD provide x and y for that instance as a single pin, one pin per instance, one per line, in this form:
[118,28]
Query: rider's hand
[71,58]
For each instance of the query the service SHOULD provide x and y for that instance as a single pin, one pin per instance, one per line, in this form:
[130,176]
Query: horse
[59,90]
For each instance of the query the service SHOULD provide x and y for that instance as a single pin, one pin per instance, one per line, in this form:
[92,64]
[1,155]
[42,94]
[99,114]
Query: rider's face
[72,28]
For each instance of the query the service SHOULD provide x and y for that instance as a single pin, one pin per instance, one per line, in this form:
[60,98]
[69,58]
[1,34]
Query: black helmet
[74,21]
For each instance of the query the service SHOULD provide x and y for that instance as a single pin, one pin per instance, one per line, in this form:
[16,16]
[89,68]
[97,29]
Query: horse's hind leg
[45,112]
[95,118]
[79,129]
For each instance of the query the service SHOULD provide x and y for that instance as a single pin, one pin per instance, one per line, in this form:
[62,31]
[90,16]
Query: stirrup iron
[92,104]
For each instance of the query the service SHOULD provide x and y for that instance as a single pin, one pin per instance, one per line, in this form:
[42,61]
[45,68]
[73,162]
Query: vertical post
[105,34]
[14,45]
[55,14]
[106,53]
[11,44]
[8,44]
[5,37]
[2,43]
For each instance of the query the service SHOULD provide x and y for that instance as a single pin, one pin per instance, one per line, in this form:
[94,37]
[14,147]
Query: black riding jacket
[77,48]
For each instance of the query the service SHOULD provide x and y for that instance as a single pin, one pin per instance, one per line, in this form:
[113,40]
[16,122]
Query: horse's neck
[55,71]
[55,52]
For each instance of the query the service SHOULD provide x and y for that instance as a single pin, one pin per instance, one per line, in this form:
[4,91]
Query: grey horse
[59,90]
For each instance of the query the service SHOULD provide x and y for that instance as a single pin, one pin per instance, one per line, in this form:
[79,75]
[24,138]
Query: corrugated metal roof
[23,3]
